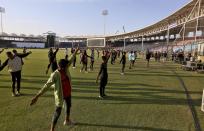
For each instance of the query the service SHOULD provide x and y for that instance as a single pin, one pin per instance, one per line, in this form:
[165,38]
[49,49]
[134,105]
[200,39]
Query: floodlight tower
[105,13]
[2,10]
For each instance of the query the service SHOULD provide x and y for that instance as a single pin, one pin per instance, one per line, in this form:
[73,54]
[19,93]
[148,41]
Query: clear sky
[83,17]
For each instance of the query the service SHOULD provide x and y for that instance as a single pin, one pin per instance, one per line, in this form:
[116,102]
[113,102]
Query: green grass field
[145,99]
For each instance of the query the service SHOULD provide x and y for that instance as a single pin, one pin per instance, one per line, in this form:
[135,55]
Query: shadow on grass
[32,95]
[125,87]
[124,127]
[113,88]
[139,91]
[22,88]
[4,74]
[131,100]
[115,85]
[37,76]
[191,102]
[32,81]
[156,75]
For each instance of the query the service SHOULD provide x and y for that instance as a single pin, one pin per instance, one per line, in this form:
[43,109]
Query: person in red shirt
[65,84]
[66,89]
[61,79]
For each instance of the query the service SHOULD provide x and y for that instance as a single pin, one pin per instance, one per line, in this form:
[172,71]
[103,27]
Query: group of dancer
[60,77]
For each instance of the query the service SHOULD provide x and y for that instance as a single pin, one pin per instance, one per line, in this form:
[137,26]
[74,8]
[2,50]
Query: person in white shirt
[14,64]
[131,59]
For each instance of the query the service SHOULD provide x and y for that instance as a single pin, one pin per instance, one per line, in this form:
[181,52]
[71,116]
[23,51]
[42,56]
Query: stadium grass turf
[144,99]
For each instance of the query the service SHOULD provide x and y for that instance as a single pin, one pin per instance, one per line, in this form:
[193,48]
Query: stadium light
[125,42]
[105,13]
[2,10]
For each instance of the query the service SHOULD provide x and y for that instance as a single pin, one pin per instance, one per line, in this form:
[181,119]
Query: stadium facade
[182,30]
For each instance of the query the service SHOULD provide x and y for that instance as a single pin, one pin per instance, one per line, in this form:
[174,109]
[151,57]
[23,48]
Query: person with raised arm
[61,79]
[52,60]
[14,63]
[84,61]
[103,74]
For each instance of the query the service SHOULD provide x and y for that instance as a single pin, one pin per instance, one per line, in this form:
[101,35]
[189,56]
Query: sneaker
[69,123]
[80,70]
[101,97]
[18,93]
[73,67]
[122,73]
[14,94]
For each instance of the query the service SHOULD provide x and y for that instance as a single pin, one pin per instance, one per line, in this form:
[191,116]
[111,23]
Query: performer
[74,61]
[135,57]
[148,56]
[84,61]
[131,59]
[103,74]
[66,54]
[61,79]
[92,60]
[98,52]
[52,60]
[123,61]
[14,67]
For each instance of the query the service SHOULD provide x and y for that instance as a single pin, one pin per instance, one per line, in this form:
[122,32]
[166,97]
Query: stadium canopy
[191,11]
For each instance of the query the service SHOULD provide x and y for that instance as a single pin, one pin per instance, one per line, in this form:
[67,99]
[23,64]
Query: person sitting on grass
[123,61]
[61,79]
[103,74]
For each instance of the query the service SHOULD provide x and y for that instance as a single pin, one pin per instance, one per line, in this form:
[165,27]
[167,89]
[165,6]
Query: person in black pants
[52,61]
[123,61]
[103,74]
[84,61]
[14,63]
[113,57]
[148,56]
[74,61]
[92,60]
